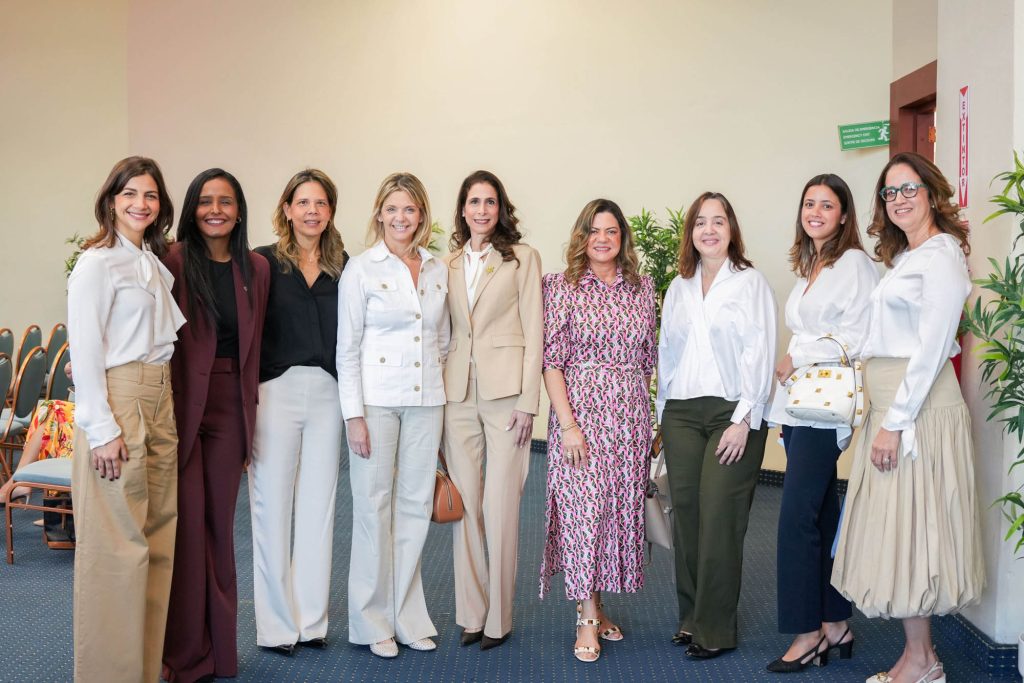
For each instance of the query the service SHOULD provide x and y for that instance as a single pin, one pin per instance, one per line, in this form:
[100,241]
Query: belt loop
[141,372]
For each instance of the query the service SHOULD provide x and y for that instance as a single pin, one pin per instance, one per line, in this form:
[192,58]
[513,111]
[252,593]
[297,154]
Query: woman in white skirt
[910,545]
[393,331]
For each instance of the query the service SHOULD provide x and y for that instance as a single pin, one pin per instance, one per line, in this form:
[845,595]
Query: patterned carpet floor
[35,626]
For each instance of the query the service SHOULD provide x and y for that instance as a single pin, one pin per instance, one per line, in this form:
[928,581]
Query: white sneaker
[385,648]
[423,645]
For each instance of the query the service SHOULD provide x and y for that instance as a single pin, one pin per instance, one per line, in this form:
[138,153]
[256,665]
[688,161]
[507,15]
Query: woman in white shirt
[831,298]
[910,544]
[714,378]
[122,325]
[492,383]
[392,336]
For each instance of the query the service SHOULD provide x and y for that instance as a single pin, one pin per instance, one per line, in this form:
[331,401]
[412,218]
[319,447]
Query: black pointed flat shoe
[286,650]
[682,638]
[698,651]
[487,642]
[318,643]
[815,656]
[470,637]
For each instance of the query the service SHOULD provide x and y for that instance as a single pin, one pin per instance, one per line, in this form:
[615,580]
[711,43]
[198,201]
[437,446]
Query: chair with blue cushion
[58,386]
[6,373]
[14,421]
[7,342]
[32,338]
[58,337]
[51,474]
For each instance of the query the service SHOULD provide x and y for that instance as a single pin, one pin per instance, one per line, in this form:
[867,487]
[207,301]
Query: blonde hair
[576,252]
[411,185]
[332,248]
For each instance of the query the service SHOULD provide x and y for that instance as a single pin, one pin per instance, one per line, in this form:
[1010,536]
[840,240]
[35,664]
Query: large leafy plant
[996,319]
[659,248]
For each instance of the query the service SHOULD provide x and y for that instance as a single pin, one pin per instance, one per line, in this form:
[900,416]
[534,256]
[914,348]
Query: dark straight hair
[803,257]
[195,251]
[123,171]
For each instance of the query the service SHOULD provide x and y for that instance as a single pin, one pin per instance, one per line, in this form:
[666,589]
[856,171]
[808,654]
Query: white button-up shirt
[915,312]
[722,344]
[392,335]
[838,304]
[120,310]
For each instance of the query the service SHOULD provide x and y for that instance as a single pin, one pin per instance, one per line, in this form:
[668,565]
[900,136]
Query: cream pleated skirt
[910,542]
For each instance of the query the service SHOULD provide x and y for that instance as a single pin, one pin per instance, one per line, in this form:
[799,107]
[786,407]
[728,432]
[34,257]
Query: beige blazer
[504,332]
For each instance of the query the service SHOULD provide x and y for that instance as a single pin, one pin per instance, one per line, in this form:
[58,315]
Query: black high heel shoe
[845,649]
[815,656]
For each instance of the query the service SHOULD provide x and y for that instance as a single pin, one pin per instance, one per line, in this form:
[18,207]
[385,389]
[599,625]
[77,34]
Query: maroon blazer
[197,346]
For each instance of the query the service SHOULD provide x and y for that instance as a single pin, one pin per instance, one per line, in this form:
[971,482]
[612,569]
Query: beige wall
[63,124]
[914,43]
[993,69]
[648,104]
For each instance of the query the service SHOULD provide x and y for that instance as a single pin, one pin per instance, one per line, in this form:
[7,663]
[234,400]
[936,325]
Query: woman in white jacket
[393,332]
[827,312]
[714,378]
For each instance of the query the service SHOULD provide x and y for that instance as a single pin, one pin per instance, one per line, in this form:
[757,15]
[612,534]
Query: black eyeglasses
[908,190]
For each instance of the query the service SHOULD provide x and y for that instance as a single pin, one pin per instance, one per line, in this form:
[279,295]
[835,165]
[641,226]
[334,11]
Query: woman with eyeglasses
[910,543]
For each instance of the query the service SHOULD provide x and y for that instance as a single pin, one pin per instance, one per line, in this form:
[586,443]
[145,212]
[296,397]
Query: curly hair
[155,234]
[803,256]
[689,257]
[576,252]
[506,233]
[332,248]
[945,214]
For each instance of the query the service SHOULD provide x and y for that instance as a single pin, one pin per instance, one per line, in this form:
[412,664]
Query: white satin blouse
[722,344]
[915,312]
[120,310]
[837,304]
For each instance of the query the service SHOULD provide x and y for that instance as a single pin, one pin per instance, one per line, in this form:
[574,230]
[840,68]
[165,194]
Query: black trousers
[808,522]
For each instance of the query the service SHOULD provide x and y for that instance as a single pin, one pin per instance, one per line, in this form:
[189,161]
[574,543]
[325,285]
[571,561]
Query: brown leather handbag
[447,500]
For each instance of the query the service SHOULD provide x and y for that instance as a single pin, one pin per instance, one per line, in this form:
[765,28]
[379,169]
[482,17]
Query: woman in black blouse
[294,471]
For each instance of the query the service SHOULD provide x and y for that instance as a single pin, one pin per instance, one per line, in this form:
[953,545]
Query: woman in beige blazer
[492,384]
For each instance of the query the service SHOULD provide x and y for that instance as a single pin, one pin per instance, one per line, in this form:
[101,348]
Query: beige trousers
[474,430]
[125,534]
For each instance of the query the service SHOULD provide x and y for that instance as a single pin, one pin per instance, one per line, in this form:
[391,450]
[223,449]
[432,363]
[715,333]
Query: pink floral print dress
[602,337]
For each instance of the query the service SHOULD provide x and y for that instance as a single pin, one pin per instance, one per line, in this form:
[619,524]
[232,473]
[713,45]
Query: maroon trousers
[202,622]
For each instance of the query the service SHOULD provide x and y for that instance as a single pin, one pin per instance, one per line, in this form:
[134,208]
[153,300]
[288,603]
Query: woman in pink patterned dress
[599,352]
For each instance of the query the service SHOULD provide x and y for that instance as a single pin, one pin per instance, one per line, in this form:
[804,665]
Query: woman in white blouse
[122,324]
[393,332]
[830,299]
[910,544]
[714,379]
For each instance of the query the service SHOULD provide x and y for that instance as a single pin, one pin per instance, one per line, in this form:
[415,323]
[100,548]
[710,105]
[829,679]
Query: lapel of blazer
[490,266]
[246,324]
[458,291]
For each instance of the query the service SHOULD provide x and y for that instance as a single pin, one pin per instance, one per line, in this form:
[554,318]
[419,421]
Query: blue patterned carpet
[35,629]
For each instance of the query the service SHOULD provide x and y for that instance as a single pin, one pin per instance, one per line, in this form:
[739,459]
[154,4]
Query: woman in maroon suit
[222,287]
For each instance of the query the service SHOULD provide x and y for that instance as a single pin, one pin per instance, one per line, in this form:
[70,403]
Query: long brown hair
[155,234]
[689,257]
[945,214]
[576,252]
[803,257]
[412,186]
[506,232]
[332,248]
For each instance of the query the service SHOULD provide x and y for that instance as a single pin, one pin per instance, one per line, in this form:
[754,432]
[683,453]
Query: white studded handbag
[827,392]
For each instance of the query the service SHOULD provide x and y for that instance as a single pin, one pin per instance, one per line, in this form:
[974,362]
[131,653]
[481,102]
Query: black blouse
[222,280]
[302,321]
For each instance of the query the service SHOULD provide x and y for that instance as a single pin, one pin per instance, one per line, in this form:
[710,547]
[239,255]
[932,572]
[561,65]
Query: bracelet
[569,426]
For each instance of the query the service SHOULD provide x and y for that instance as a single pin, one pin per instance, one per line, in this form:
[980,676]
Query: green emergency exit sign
[860,135]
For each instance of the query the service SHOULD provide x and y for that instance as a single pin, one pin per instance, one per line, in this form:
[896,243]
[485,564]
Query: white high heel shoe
[884,677]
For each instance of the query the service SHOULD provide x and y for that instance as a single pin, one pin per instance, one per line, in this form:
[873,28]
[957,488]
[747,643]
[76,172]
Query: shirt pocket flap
[437,288]
[383,285]
[508,340]
[382,356]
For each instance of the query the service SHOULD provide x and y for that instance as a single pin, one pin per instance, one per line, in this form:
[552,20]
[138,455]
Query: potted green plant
[996,319]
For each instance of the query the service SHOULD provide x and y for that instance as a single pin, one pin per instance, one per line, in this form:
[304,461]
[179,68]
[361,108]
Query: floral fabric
[602,337]
[57,420]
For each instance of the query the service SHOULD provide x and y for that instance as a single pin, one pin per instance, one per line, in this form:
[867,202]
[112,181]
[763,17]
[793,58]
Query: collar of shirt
[379,252]
[591,278]
[152,276]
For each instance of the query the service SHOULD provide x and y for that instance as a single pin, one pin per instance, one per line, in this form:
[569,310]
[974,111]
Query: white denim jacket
[392,335]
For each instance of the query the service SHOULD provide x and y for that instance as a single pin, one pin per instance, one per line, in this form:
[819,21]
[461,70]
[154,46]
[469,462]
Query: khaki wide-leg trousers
[474,429]
[125,534]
